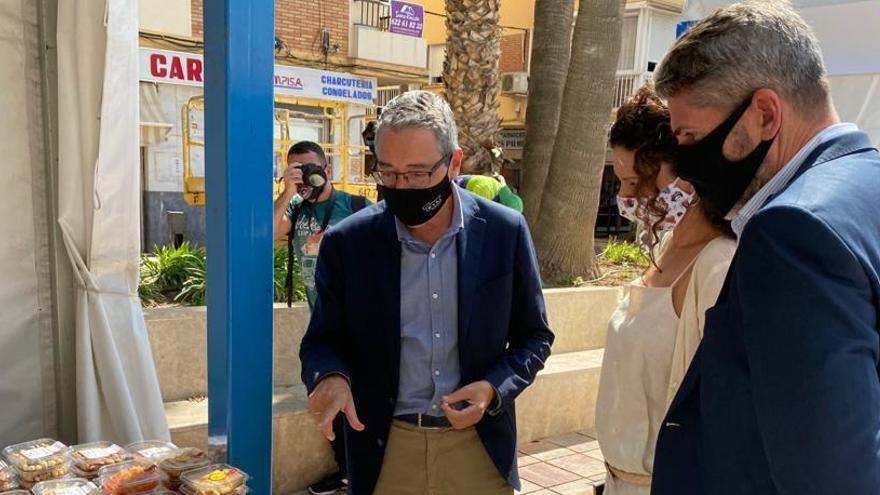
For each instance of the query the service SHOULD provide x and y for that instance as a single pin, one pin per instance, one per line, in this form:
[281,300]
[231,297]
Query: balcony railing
[628,82]
[373,14]
[386,94]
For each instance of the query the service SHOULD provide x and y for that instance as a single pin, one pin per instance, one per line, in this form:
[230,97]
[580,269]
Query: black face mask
[720,182]
[417,206]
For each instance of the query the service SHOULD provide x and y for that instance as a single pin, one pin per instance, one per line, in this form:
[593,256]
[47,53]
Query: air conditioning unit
[516,83]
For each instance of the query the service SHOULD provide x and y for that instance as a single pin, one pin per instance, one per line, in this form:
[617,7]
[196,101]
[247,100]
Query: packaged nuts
[69,486]
[8,478]
[37,456]
[89,458]
[151,450]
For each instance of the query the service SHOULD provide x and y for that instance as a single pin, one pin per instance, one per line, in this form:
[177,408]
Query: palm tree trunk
[567,217]
[470,77]
[551,51]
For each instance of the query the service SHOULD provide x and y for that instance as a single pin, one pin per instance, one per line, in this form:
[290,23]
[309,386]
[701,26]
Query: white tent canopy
[847,32]
[27,351]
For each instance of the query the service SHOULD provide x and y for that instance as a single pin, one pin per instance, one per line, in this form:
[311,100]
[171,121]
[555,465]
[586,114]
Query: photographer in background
[311,204]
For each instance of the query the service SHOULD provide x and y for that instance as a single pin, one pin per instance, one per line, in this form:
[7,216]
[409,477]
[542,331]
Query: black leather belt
[425,421]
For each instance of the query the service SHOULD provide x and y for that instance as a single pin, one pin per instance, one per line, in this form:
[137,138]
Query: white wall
[848,35]
[662,35]
[166,16]
[390,48]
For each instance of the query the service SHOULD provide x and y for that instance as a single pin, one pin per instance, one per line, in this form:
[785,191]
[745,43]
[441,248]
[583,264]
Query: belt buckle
[419,415]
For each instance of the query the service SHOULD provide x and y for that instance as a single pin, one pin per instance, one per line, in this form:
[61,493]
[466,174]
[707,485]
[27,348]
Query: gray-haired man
[427,369]
[783,395]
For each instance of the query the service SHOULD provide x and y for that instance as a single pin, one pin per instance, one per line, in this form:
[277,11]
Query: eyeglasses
[418,180]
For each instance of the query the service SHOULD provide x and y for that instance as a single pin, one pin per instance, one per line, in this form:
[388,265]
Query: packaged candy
[217,479]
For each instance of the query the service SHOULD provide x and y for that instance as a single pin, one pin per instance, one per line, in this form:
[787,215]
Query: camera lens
[315,180]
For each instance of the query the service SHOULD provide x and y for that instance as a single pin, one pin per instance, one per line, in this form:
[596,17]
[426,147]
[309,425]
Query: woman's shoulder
[715,256]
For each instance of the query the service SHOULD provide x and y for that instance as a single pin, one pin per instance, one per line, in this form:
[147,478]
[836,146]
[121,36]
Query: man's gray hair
[745,47]
[420,110]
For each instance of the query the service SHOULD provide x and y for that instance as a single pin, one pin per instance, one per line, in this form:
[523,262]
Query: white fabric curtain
[118,397]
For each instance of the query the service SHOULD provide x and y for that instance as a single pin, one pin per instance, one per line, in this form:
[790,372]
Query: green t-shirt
[308,234]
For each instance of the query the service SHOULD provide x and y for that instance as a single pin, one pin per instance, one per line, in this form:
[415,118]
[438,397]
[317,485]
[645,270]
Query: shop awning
[154,126]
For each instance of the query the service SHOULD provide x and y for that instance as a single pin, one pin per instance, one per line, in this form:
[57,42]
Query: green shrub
[624,253]
[169,274]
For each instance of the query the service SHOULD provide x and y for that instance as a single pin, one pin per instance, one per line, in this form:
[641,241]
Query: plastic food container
[8,478]
[17,492]
[69,486]
[152,450]
[185,490]
[217,479]
[132,477]
[38,456]
[182,460]
[89,458]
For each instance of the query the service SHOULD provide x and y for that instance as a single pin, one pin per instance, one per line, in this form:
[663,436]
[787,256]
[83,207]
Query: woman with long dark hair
[657,327]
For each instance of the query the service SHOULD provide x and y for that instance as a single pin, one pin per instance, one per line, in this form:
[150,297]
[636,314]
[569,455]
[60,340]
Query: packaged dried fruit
[217,479]
[69,486]
[36,456]
[132,477]
[152,450]
[185,459]
[89,458]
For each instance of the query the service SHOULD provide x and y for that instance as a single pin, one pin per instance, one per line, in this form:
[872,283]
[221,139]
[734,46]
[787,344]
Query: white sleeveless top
[644,336]
[635,377]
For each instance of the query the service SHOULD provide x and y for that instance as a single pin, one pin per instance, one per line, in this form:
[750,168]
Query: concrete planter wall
[561,400]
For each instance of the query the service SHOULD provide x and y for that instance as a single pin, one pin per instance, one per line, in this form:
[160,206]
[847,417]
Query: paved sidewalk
[567,464]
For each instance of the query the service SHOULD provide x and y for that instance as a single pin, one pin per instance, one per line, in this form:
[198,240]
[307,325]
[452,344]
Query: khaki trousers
[438,462]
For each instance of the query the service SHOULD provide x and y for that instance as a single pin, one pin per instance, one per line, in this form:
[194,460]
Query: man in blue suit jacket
[783,395]
[429,321]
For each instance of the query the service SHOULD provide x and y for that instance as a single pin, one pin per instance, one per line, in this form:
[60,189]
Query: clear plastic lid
[70,486]
[185,459]
[154,450]
[17,492]
[217,479]
[90,457]
[38,455]
[131,477]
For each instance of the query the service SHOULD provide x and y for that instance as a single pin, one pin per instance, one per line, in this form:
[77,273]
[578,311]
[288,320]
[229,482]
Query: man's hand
[330,397]
[292,177]
[478,396]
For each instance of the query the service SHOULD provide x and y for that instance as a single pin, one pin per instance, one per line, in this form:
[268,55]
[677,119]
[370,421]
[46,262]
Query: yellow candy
[217,476]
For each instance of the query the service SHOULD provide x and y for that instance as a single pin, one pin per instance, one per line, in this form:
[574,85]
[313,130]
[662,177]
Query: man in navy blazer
[429,322]
[783,395]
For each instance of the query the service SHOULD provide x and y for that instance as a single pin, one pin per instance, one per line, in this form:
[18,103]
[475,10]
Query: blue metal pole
[239,59]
